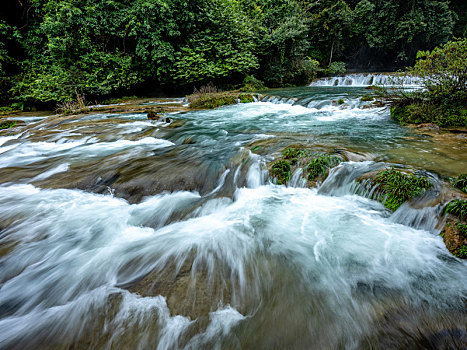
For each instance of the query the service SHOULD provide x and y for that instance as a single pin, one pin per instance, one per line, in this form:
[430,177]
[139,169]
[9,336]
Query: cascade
[367,79]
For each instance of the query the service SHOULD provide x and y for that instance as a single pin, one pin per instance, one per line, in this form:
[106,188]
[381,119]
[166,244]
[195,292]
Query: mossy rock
[320,164]
[398,187]
[215,100]
[367,98]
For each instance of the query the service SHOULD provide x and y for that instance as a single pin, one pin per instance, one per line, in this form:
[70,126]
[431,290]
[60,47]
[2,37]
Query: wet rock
[176,124]
[189,291]
[416,328]
[152,115]
[428,127]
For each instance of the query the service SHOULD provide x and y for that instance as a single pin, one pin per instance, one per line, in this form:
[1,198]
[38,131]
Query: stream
[118,232]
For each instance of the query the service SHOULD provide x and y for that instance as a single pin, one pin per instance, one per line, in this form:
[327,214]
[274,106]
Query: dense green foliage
[294,153]
[458,208]
[460,182]
[399,187]
[51,50]
[443,100]
[320,164]
[281,171]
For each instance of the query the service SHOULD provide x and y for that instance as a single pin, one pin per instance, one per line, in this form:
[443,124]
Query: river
[121,232]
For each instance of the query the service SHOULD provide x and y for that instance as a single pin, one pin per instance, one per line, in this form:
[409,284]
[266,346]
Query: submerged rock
[189,141]
[189,290]
[175,123]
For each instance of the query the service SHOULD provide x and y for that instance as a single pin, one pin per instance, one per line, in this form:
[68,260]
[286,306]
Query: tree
[443,70]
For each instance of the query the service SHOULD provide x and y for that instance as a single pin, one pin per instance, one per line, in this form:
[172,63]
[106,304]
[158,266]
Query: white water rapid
[367,79]
[117,233]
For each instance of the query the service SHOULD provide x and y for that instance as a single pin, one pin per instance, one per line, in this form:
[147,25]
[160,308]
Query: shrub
[250,83]
[443,70]
[444,98]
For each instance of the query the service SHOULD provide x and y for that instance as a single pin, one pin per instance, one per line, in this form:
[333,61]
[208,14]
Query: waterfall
[367,79]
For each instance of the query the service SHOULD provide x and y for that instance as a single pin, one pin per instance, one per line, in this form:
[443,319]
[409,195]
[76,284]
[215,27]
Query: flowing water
[120,232]
[367,79]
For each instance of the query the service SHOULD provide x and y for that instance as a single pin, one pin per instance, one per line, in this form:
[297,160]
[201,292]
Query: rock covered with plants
[315,165]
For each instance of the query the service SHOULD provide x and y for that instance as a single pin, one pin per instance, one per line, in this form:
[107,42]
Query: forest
[52,50]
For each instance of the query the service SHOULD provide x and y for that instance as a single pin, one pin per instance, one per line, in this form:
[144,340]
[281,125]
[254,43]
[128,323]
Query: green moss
[457,207]
[320,164]
[399,187]
[281,171]
[340,101]
[7,124]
